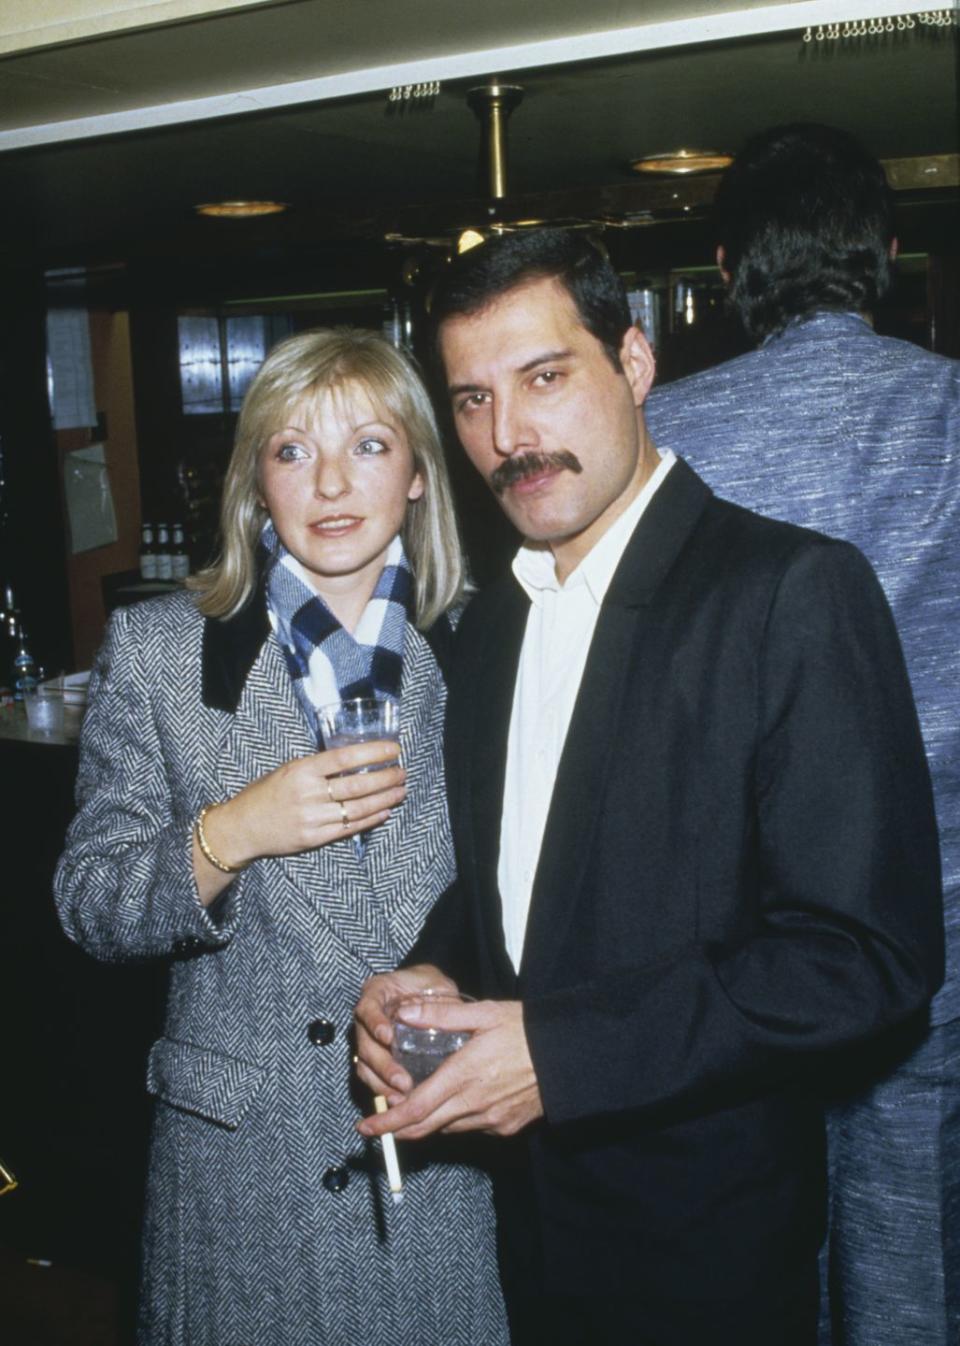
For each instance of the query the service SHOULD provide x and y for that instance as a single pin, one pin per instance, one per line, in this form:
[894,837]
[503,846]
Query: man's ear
[721,260]
[638,363]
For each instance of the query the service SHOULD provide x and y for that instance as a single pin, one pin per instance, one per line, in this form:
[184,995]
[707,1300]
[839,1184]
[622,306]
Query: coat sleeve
[124,886]
[845,937]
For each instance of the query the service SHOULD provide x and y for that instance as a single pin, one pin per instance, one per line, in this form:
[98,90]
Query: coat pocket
[208,1083]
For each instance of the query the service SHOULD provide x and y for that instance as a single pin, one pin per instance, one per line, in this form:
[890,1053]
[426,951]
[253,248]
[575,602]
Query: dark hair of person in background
[805,218]
[578,263]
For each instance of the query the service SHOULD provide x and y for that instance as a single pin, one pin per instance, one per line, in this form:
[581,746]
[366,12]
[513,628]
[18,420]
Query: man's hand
[488,1085]
[375,1066]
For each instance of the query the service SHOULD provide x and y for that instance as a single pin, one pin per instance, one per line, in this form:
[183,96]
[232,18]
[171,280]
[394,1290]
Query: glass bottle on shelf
[24,668]
[148,555]
[8,642]
[180,558]
[11,613]
[164,554]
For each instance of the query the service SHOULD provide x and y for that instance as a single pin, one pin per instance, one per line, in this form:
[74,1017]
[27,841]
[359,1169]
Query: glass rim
[383,699]
[429,994]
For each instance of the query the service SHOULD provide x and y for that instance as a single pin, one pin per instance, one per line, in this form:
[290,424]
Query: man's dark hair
[476,278]
[805,218]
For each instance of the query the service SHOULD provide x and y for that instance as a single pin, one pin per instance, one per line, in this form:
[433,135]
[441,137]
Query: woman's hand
[304,804]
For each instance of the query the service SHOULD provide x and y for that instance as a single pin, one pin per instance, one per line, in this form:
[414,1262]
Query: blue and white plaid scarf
[326,662]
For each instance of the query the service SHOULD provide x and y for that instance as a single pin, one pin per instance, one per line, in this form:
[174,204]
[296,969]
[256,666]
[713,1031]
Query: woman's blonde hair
[307,366]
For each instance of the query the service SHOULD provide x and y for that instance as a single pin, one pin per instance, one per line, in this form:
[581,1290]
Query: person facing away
[211,832]
[831,426]
[695,842]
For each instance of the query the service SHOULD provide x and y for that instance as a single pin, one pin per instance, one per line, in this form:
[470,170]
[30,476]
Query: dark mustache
[516,469]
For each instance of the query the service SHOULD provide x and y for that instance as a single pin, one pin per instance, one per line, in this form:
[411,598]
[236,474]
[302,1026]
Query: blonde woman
[212,832]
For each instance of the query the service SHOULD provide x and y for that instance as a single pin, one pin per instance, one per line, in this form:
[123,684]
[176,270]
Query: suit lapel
[495,675]
[616,654]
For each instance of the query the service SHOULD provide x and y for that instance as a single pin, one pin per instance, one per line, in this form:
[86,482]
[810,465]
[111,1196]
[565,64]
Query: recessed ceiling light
[241,210]
[683,161]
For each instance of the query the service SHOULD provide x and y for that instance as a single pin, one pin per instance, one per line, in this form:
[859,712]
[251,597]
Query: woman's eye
[290,452]
[368,447]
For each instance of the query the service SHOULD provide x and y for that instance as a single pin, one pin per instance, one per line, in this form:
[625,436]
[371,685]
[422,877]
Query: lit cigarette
[390,1154]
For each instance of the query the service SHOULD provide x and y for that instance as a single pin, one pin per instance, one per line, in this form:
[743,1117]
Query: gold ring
[343,814]
[330,791]
[356,1059]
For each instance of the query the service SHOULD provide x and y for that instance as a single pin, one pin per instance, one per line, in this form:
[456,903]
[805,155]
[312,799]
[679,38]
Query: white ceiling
[290,52]
[25,24]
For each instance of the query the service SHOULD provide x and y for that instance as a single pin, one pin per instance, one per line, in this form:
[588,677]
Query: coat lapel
[616,653]
[267,728]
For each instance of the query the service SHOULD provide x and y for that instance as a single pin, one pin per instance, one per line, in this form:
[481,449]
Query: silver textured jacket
[833,427]
[268,1219]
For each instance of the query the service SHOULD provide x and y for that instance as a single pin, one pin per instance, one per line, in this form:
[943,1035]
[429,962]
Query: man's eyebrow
[545,358]
[548,357]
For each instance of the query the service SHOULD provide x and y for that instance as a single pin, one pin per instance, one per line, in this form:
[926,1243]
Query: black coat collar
[661,535]
[230,648]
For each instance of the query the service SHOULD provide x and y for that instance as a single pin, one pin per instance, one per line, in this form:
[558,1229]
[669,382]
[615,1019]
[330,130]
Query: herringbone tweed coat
[268,1219]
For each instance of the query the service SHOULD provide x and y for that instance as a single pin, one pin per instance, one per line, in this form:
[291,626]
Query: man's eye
[367,447]
[472,401]
[546,377]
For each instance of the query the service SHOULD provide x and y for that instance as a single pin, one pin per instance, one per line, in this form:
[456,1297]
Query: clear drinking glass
[360,720]
[417,1047]
[44,707]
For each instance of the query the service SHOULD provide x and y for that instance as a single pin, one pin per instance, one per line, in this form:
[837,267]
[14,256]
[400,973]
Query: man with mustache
[695,843]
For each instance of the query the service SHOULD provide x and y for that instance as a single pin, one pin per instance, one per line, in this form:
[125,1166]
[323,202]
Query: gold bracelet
[204,845]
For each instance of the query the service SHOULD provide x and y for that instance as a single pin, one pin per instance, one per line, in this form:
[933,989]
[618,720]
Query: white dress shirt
[556,641]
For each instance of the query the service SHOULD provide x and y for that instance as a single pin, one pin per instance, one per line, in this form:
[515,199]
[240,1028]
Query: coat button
[321,1032]
[335,1179]
[183,948]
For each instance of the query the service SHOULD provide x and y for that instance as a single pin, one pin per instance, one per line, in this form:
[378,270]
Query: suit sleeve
[124,886]
[846,937]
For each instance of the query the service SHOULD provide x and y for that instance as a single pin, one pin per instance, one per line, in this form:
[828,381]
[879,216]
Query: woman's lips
[336,526]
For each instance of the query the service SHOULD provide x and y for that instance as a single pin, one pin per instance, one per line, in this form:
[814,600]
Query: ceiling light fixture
[493,102]
[241,210]
[683,161]
[470,238]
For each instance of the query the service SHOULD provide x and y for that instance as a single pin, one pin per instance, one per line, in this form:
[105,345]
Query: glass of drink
[418,1047]
[362,719]
[44,706]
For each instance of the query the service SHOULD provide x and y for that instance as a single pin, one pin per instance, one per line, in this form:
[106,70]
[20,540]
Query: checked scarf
[326,662]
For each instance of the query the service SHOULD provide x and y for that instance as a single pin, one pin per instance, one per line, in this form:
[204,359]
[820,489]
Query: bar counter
[14,729]
[74,1116]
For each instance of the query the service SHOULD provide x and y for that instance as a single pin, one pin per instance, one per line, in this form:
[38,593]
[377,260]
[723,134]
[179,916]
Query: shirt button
[335,1180]
[321,1032]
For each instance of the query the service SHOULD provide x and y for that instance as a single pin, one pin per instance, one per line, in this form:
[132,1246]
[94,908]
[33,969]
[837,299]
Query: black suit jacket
[739,875]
